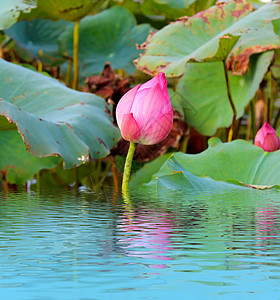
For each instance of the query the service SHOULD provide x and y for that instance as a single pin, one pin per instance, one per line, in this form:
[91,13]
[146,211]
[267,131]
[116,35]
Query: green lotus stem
[253,119]
[76,55]
[115,175]
[268,109]
[97,170]
[270,96]
[230,133]
[128,205]
[38,181]
[237,128]
[69,71]
[40,64]
[184,145]
[127,167]
[103,175]
[6,187]
[275,123]
[76,177]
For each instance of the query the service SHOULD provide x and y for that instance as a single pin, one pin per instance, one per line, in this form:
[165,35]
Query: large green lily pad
[182,179]
[70,10]
[10,11]
[165,9]
[201,94]
[111,36]
[227,31]
[174,9]
[145,174]
[32,36]
[16,163]
[53,119]
[238,163]
[275,68]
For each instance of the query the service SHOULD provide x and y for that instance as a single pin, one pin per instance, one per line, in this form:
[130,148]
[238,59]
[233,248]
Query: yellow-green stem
[40,64]
[75,55]
[38,181]
[127,167]
[184,145]
[97,170]
[115,174]
[76,177]
[230,133]
[103,176]
[6,187]
[270,96]
[253,119]
[40,67]
[68,74]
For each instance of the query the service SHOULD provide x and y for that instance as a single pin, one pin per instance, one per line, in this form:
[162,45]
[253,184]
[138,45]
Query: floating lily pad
[31,37]
[227,31]
[239,163]
[108,36]
[201,94]
[53,119]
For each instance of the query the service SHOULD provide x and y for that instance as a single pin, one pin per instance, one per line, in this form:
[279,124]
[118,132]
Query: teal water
[83,245]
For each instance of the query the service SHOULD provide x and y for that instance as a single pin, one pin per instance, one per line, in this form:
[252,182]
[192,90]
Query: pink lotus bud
[267,138]
[144,114]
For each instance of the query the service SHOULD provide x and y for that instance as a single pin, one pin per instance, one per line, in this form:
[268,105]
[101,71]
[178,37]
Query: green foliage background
[46,125]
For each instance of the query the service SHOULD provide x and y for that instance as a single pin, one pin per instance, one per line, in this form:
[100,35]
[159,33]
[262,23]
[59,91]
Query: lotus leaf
[36,35]
[227,31]
[11,10]
[53,119]
[17,165]
[209,109]
[239,163]
[108,36]
[70,10]
[173,9]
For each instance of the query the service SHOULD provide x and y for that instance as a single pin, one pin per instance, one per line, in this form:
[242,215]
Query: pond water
[85,245]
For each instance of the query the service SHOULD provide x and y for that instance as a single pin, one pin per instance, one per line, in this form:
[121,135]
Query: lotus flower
[144,114]
[267,138]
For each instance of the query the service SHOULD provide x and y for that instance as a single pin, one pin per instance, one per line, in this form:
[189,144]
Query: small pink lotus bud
[267,138]
[144,114]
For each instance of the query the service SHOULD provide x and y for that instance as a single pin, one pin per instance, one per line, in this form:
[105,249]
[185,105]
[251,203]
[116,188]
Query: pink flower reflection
[146,235]
[266,225]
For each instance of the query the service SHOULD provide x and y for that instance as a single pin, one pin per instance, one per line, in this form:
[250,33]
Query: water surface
[83,245]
